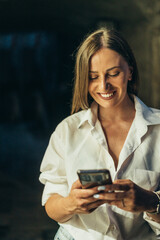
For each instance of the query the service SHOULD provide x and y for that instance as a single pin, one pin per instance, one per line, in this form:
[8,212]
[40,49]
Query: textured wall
[144,37]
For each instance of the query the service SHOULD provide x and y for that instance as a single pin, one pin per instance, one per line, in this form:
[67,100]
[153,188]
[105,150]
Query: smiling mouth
[106,95]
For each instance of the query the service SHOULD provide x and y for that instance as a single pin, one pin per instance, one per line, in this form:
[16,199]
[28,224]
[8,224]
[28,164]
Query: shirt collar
[90,116]
[145,116]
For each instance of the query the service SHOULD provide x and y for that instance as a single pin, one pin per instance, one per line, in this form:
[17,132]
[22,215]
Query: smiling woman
[111,130]
[110,40]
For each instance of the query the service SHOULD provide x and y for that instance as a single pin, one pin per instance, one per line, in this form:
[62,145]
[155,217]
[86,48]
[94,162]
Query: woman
[113,130]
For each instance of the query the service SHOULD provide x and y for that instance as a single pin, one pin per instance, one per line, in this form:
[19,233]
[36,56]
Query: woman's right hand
[81,200]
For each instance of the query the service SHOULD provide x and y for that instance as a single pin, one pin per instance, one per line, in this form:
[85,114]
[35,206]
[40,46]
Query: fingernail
[100,188]
[96,195]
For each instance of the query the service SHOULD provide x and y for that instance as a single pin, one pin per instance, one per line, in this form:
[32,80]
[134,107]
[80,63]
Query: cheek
[90,87]
[124,79]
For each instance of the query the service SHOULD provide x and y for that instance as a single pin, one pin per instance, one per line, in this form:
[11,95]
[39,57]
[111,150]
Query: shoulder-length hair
[110,39]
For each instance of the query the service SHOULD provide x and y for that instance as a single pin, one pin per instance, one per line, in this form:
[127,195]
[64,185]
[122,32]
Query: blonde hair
[95,41]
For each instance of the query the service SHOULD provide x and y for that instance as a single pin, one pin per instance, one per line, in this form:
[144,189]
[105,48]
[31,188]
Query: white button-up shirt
[79,143]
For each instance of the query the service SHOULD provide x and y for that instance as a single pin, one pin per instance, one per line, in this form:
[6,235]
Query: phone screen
[92,178]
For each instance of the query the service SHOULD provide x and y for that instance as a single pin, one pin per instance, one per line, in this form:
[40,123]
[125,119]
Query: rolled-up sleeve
[154,225]
[53,174]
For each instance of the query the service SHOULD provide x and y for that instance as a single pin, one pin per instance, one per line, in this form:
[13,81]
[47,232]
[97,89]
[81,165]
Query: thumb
[77,185]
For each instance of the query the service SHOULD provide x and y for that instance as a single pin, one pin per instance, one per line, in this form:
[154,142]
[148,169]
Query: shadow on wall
[32,97]
[29,84]
[32,101]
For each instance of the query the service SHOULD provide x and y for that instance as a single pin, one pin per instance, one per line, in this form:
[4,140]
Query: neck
[123,111]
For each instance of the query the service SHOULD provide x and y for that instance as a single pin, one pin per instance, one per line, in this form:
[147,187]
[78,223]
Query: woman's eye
[93,78]
[114,75]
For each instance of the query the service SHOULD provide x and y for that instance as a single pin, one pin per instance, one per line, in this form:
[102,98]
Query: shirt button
[112,228]
[130,147]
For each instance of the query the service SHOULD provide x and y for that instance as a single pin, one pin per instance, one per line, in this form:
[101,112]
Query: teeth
[106,94]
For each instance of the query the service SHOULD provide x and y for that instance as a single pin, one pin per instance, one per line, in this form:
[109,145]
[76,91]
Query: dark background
[37,44]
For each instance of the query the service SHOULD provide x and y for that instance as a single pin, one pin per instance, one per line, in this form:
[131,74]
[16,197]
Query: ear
[130,73]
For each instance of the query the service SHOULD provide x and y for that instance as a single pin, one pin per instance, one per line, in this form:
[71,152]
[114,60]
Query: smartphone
[94,177]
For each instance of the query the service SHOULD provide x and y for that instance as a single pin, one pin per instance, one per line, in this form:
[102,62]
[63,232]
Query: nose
[105,85]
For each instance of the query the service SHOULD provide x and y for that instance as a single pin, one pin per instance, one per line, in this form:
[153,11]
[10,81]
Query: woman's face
[109,74]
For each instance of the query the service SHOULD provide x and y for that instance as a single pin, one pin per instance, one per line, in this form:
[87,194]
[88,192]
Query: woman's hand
[61,209]
[128,196]
[82,200]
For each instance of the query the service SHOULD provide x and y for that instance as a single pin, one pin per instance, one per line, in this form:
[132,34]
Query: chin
[106,105]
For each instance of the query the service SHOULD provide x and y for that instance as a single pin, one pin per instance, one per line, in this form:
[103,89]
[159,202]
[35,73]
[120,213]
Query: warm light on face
[109,74]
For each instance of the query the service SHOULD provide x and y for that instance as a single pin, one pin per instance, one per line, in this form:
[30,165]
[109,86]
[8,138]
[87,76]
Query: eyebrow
[109,69]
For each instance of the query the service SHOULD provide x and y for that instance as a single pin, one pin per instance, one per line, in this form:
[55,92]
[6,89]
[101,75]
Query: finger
[110,196]
[91,200]
[95,205]
[117,187]
[122,181]
[76,185]
[126,182]
[88,208]
[86,193]
[82,193]
[120,204]
[83,203]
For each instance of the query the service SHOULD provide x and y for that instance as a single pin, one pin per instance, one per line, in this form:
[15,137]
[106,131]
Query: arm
[56,208]
[79,200]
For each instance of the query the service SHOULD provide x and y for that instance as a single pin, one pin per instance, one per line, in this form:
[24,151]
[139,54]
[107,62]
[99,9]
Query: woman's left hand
[128,196]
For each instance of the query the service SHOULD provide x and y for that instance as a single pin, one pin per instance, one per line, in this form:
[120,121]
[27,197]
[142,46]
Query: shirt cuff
[153,224]
[51,188]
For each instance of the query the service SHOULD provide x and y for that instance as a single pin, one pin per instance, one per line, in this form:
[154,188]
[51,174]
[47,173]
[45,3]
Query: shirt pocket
[149,180]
